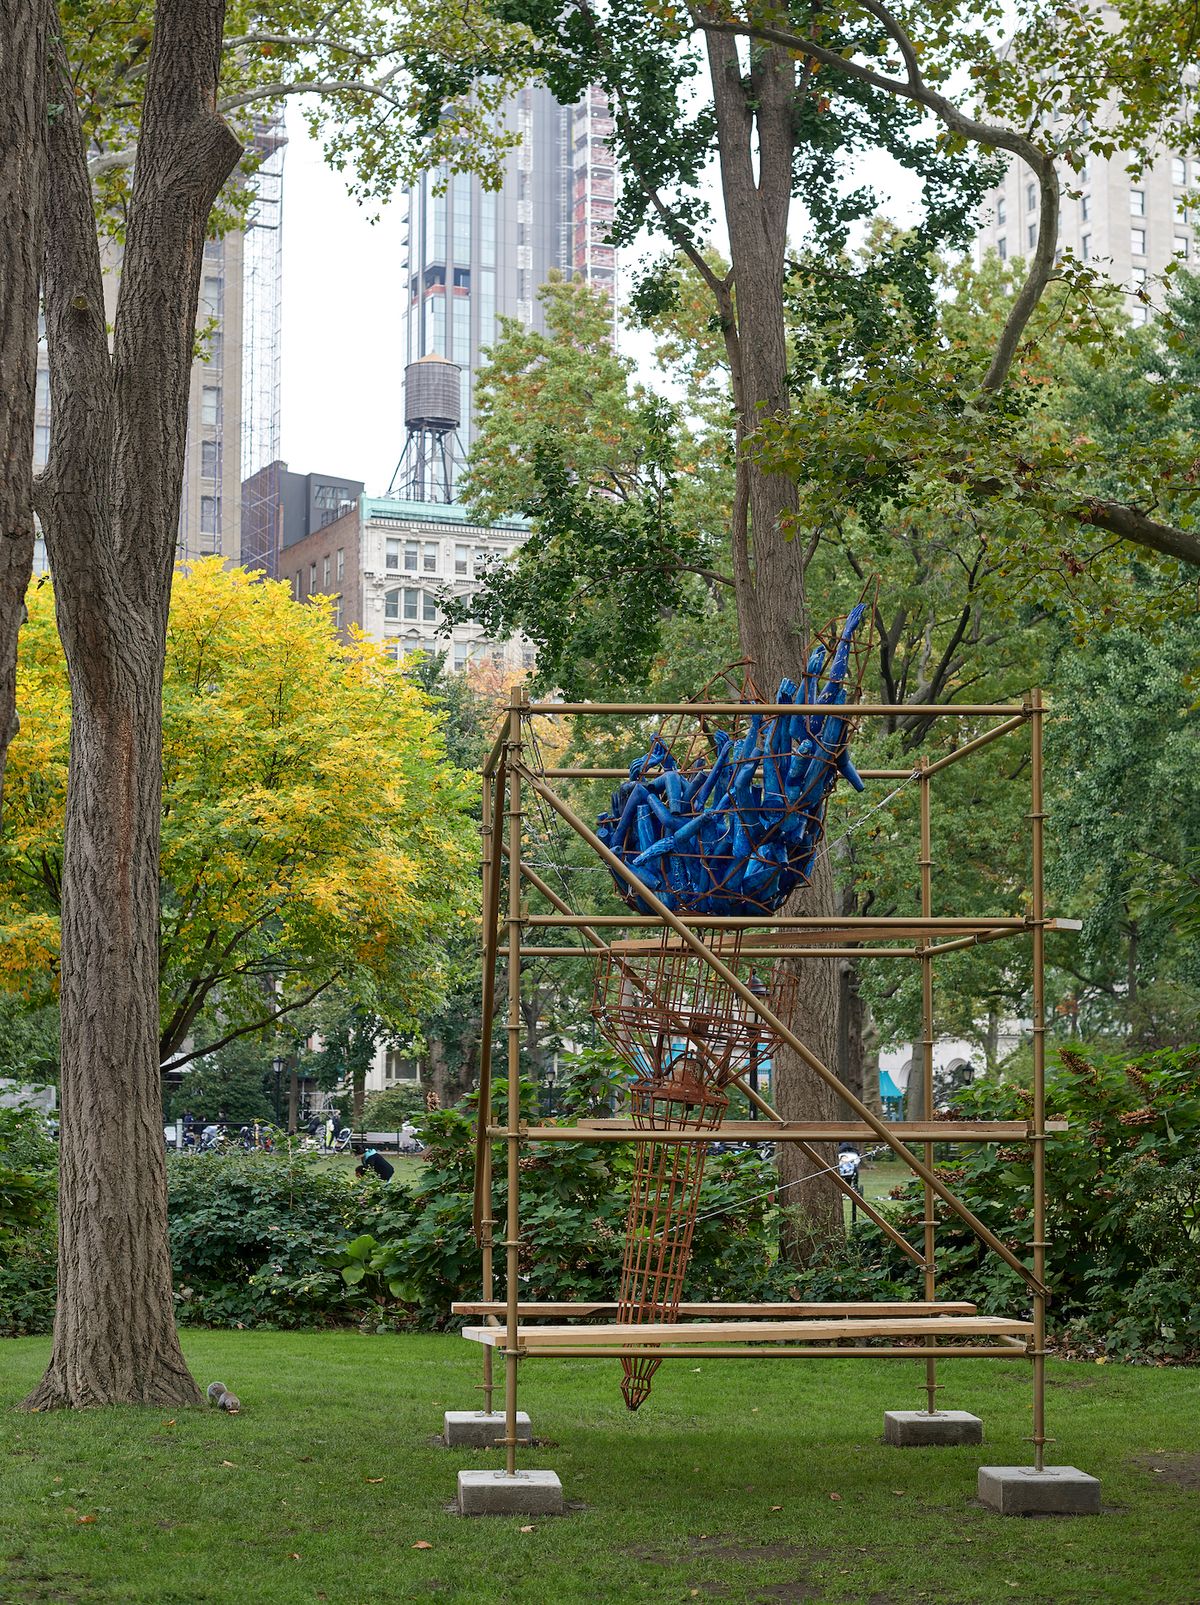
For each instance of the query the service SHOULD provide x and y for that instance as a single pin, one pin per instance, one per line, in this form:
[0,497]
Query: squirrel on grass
[220,1395]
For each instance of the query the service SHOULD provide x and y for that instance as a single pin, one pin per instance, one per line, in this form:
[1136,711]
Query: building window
[210,459]
[41,445]
[1085,207]
[462,654]
[1137,202]
[1085,172]
[1140,314]
[398,1067]
[462,559]
[1181,246]
[341,564]
[338,612]
[1178,170]
[1085,247]
[326,572]
[1001,213]
[210,405]
[411,551]
[528,657]
[1002,250]
[213,349]
[1137,277]
[482,559]
[1031,232]
[312,578]
[211,296]
[43,390]
[391,604]
[298,584]
[1031,197]
[1137,241]
[391,557]
[429,557]
[412,603]
[210,515]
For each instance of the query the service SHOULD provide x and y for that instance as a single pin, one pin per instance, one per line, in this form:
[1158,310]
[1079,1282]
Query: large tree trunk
[23,31]
[755,118]
[109,503]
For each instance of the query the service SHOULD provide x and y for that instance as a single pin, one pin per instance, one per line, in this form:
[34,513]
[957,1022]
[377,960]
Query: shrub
[1122,1203]
[256,1239]
[28,1194]
[391,1109]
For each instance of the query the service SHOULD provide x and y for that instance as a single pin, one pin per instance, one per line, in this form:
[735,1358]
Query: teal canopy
[887,1087]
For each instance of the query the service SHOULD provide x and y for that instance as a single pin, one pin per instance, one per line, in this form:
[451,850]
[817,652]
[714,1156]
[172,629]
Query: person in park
[374,1161]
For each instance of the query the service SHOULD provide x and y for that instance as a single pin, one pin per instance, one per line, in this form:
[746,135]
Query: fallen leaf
[374,1479]
[753,1409]
[421,1544]
[529,1529]
[1102,1359]
[838,1497]
[293,1555]
[776,1507]
[230,1464]
[899,1492]
[82,1521]
[170,1423]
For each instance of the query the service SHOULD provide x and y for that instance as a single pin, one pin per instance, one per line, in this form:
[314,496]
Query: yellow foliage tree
[313,831]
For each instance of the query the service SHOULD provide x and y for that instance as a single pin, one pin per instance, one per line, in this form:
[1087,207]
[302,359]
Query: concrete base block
[916,1429]
[495,1493]
[475,1429]
[1022,1491]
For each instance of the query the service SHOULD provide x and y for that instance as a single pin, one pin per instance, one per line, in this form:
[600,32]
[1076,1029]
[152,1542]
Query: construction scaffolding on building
[634,951]
[262,330]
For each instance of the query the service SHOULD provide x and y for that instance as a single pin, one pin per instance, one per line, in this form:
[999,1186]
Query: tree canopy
[312,828]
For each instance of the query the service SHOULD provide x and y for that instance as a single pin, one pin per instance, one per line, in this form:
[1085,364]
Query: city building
[233,399]
[475,255]
[1129,227]
[386,560]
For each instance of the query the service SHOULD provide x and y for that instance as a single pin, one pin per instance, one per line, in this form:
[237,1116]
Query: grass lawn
[408,1167]
[322,1486]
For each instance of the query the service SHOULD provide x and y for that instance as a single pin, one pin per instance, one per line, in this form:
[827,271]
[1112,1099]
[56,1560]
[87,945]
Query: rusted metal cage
[685,1034]
[656,1003]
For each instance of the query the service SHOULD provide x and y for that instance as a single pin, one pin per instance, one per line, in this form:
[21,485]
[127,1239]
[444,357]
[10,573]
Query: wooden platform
[763,1312]
[844,1334]
[1004,1131]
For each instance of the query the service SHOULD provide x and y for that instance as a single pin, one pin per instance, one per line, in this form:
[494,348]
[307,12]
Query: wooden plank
[1000,1350]
[786,1311]
[761,1131]
[668,1332]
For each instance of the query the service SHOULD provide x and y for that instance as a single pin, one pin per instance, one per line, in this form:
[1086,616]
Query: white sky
[343,305]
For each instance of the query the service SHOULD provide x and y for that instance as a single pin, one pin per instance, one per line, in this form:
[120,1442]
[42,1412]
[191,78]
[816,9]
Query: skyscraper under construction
[475,255]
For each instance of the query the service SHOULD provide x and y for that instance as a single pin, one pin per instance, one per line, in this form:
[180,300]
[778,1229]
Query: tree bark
[109,504]
[23,34]
[755,116]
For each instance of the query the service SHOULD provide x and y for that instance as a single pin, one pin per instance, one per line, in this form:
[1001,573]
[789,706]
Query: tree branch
[995,136]
[1132,524]
[245,1030]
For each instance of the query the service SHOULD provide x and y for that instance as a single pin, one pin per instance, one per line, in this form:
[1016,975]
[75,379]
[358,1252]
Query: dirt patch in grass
[1171,1466]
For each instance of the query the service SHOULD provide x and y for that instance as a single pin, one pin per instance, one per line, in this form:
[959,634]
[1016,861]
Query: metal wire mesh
[685,1034]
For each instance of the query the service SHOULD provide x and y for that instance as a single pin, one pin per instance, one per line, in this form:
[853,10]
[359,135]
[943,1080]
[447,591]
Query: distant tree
[314,836]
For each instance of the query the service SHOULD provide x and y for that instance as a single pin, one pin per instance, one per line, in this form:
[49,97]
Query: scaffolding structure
[262,349]
[926,1329]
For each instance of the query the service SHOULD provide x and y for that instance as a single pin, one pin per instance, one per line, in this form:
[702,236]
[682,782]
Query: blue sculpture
[737,833]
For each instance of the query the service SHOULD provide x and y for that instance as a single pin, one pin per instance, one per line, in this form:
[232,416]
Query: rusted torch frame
[506,773]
